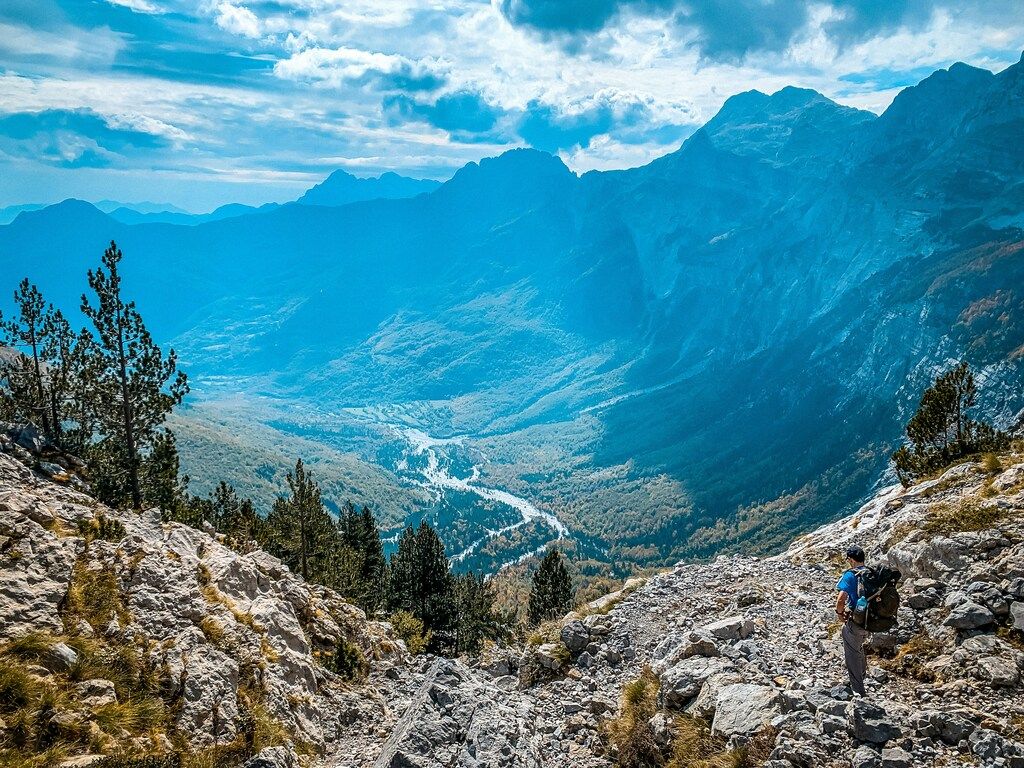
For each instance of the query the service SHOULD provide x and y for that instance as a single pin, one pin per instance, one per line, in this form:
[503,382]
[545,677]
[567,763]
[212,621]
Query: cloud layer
[252,100]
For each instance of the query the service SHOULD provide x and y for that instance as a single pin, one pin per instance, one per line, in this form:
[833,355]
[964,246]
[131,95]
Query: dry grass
[94,595]
[214,631]
[630,734]
[963,515]
[914,658]
[215,597]
[632,739]
[991,464]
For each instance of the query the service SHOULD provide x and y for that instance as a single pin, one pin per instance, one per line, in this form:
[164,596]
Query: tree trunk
[302,542]
[126,414]
[40,393]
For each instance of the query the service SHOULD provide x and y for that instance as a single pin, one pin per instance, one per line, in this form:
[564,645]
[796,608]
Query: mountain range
[713,351]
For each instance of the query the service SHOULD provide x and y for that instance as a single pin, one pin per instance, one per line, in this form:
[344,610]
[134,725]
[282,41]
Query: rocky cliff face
[240,651]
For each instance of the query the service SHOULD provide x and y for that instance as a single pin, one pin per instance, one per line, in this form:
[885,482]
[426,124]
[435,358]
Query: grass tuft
[630,734]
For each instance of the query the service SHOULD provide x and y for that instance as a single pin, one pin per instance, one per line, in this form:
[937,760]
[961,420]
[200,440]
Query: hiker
[854,635]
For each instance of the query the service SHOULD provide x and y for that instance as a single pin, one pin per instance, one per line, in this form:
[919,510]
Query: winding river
[436,476]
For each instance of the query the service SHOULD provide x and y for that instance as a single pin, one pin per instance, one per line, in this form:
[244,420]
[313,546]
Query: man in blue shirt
[854,635]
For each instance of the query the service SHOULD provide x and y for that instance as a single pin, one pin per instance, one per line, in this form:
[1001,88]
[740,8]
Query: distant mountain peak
[514,165]
[790,124]
[70,212]
[526,158]
[342,188]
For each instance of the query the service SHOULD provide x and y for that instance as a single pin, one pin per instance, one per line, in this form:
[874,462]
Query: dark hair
[856,554]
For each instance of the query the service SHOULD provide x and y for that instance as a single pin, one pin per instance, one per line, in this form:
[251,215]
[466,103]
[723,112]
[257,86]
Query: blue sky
[202,102]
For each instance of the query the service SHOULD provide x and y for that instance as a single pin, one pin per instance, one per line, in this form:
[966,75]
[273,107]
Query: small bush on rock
[346,661]
[914,658]
[411,630]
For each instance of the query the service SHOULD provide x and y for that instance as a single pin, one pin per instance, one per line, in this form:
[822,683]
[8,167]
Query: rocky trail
[748,646]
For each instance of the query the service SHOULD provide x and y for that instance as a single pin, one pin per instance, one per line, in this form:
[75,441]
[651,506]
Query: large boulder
[1017,616]
[684,680]
[677,647]
[743,709]
[998,672]
[730,628]
[705,703]
[31,591]
[575,636]
[550,656]
[871,723]
[274,757]
[934,558]
[969,615]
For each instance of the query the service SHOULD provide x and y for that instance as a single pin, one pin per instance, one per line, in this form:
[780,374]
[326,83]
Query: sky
[197,103]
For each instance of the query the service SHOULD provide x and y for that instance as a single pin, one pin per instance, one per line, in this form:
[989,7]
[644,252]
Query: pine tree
[420,582]
[161,481]
[358,564]
[235,517]
[476,620]
[63,358]
[300,530]
[26,382]
[132,393]
[551,593]
[941,431]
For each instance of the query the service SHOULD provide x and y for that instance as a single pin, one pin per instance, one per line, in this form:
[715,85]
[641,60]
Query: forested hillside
[718,347]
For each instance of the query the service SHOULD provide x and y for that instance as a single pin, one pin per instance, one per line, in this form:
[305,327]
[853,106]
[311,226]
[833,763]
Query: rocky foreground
[236,650]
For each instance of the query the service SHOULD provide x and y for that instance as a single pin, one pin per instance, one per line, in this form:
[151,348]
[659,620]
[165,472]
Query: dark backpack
[877,584]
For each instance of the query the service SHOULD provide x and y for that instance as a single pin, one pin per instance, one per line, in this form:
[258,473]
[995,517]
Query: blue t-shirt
[848,584]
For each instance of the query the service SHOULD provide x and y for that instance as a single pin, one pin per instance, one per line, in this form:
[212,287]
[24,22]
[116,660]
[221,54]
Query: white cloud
[238,20]
[336,60]
[336,65]
[139,6]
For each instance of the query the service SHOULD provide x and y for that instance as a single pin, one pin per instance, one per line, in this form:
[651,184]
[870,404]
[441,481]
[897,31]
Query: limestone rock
[731,628]
[871,724]
[969,615]
[684,680]
[274,757]
[743,709]
[575,636]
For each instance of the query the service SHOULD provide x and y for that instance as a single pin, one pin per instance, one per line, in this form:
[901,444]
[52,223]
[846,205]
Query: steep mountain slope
[719,347]
[132,637]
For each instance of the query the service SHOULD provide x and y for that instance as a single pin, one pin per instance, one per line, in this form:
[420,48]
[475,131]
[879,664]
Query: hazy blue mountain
[229,211]
[713,350]
[145,207]
[10,213]
[342,188]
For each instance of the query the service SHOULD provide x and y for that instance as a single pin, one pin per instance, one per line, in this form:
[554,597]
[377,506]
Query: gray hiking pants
[853,649]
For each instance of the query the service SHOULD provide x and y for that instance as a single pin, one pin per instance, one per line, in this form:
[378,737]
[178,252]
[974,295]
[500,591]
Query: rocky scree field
[124,636]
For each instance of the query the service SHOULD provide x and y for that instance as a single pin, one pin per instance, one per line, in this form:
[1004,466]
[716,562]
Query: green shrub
[102,528]
[411,630]
[990,463]
[346,660]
